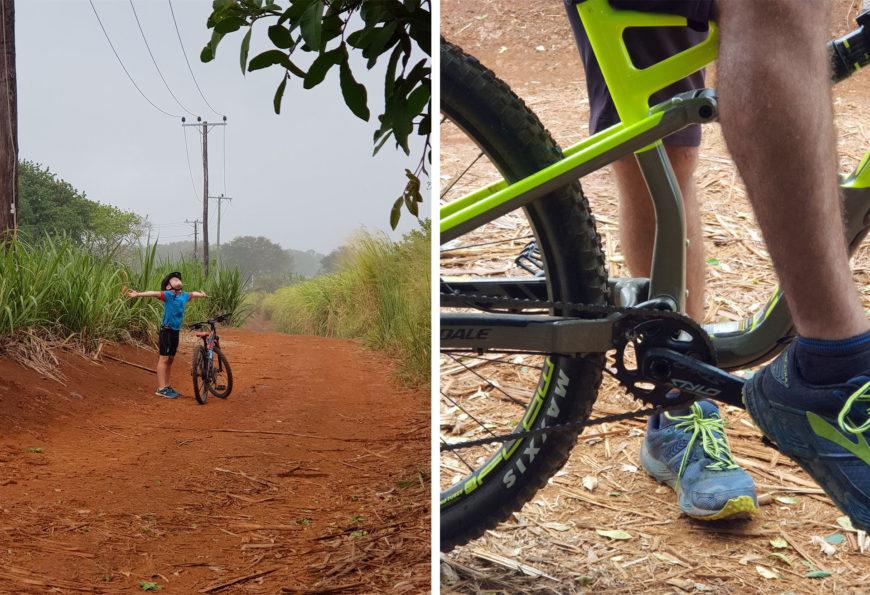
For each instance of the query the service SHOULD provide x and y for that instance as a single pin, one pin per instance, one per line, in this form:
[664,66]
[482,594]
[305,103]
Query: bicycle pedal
[221,387]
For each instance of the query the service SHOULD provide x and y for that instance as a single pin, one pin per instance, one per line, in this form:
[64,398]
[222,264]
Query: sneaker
[816,426]
[167,392]
[689,453]
[174,392]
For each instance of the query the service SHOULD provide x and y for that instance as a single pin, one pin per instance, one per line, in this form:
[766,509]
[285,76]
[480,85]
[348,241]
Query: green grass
[382,295]
[64,292]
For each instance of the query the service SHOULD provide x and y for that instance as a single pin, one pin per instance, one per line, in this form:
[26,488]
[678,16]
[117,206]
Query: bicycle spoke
[488,382]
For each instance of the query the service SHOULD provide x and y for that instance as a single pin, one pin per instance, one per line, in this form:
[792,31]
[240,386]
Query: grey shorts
[646,46]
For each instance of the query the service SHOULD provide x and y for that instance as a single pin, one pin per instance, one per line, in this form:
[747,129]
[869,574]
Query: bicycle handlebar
[211,321]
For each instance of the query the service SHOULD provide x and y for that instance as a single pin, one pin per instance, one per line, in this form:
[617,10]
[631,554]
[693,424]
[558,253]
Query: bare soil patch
[313,476]
[530,46]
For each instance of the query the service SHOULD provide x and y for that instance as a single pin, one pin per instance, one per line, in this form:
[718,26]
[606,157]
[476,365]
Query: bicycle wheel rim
[200,390]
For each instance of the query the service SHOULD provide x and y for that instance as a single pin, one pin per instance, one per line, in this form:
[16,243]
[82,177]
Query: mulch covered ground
[557,543]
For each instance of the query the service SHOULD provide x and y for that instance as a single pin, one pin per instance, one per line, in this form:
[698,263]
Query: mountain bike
[549,310]
[211,371]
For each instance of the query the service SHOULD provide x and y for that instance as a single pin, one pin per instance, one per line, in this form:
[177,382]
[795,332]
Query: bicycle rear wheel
[482,486]
[200,373]
[222,380]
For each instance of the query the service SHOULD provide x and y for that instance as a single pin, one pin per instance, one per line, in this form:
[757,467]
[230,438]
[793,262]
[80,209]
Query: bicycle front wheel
[481,486]
[222,381]
[200,373]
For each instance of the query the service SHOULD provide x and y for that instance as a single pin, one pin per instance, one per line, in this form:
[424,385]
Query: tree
[8,121]
[51,206]
[255,256]
[321,27]
[337,260]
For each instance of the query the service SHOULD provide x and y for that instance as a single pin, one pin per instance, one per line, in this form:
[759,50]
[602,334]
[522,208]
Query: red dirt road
[313,476]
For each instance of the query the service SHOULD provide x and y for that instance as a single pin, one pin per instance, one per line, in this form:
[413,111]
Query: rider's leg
[637,221]
[777,118]
[776,113]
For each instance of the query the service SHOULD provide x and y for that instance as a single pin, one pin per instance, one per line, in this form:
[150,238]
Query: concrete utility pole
[205,127]
[8,123]
[220,199]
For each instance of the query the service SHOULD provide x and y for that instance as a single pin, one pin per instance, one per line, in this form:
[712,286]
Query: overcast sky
[304,179]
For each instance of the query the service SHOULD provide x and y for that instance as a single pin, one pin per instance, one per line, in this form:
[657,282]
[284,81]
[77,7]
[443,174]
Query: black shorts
[168,341]
[646,46]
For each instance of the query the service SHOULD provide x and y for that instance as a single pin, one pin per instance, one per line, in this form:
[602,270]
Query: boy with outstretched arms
[174,302]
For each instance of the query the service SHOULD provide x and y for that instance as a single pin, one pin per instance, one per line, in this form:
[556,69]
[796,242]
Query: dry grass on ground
[551,545]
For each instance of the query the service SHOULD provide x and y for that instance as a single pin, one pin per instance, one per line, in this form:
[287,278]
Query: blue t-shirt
[173,308]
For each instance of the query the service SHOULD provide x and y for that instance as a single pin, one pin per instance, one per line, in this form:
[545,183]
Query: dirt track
[312,476]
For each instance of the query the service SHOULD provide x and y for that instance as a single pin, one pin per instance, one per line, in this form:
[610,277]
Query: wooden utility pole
[195,232]
[205,126]
[205,198]
[220,199]
[8,123]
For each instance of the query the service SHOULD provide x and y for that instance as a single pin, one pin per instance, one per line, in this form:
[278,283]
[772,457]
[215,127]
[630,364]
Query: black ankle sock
[833,362]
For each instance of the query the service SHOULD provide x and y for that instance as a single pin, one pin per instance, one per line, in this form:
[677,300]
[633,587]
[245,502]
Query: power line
[121,62]
[184,53]
[189,169]
[148,47]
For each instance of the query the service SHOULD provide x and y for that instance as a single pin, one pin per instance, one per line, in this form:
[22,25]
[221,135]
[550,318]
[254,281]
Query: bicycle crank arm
[692,376]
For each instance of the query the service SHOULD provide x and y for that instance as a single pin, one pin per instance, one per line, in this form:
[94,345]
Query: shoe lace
[862,394]
[711,430]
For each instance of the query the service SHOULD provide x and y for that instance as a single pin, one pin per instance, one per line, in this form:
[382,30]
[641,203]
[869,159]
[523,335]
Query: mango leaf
[266,59]
[355,95]
[766,572]
[280,36]
[782,557]
[817,574]
[786,499]
[845,522]
[279,95]
[321,65]
[243,53]
[395,212]
[311,23]
[228,25]
[779,543]
[614,534]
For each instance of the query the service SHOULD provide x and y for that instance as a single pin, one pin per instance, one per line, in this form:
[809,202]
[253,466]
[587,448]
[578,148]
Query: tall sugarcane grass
[63,292]
[382,295]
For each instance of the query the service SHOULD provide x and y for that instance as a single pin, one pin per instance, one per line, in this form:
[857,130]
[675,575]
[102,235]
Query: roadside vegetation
[381,294]
[58,291]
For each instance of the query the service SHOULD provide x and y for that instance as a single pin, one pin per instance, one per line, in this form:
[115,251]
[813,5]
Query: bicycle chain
[643,314]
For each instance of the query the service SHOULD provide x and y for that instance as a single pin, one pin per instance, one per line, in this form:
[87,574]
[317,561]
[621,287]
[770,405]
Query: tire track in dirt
[312,475]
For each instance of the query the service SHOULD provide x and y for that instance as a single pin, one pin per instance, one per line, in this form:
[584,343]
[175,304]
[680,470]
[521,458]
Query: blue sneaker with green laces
[689,453]
[821,428]
[167,391]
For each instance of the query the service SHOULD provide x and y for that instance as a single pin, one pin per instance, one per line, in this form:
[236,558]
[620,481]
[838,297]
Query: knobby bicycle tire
[516,142]
[199,373]
[223,372]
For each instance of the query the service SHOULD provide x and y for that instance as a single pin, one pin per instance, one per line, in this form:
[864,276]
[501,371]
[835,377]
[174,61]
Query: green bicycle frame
[640,131]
